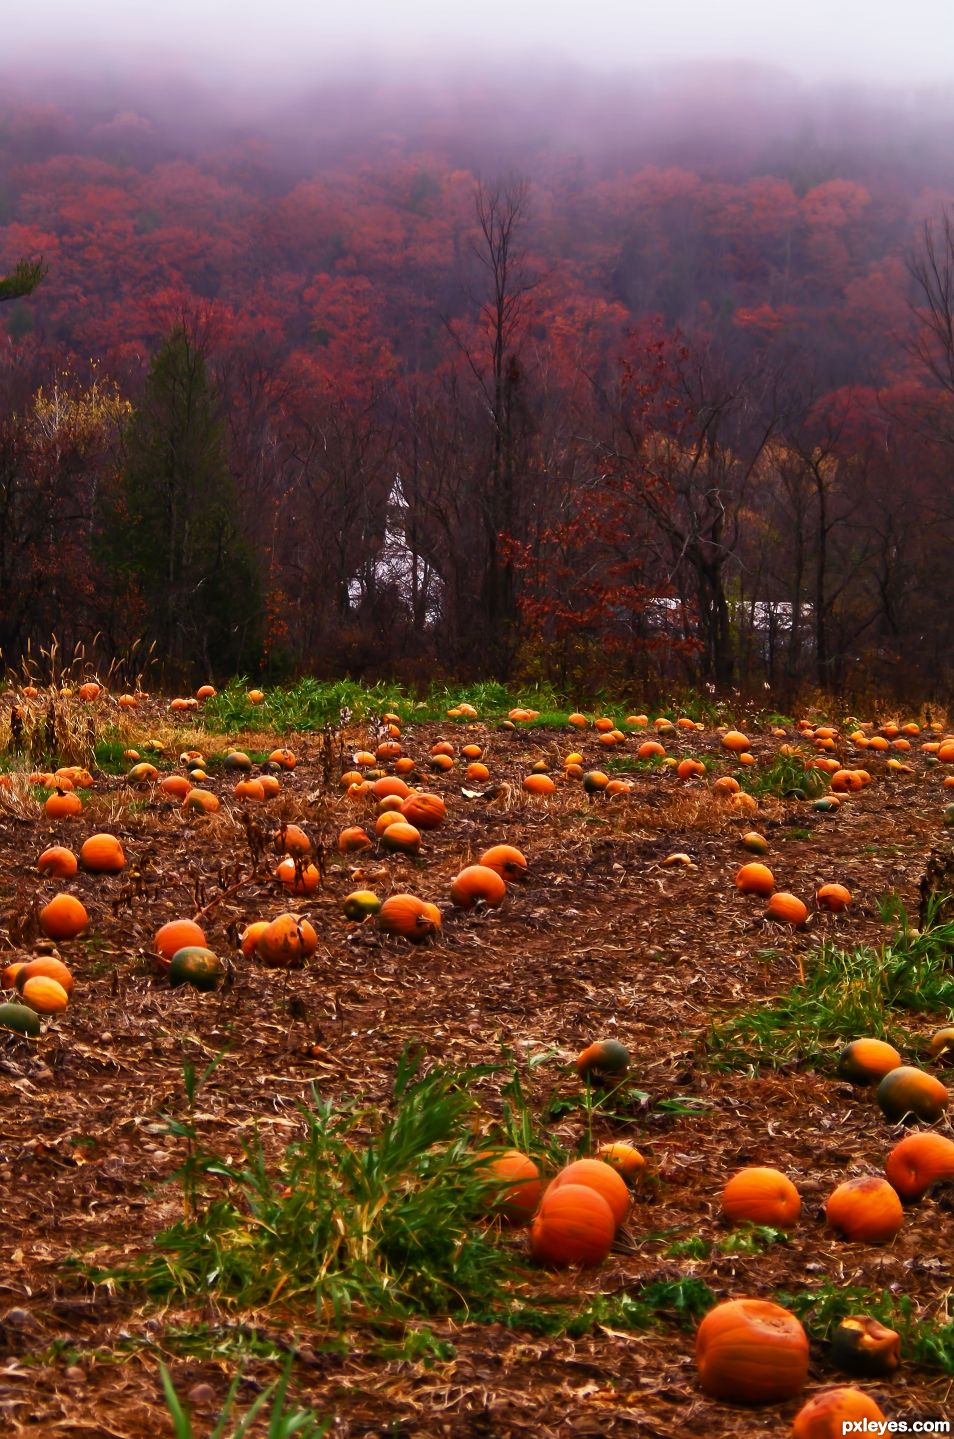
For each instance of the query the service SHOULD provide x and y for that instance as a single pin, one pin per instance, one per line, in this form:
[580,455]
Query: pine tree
[26,275]
[174,531]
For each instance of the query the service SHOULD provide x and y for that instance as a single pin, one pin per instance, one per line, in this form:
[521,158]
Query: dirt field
[602,939]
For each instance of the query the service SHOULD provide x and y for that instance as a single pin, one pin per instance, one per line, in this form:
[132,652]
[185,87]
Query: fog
[291,40]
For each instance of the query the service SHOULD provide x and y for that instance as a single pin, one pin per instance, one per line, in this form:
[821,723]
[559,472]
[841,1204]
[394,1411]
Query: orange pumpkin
[865,1348]
[477,884]
[941,1045]
[45,966]
[477,773]
[45,995]
[63,804]
[735,741]
[250,789]
[251,934]
[650,749]
[602,1177]
[509,863]
[751,1351]
[102,854]
[539,784]
[786,908]
[177,934]
[761,1195]
[298,878]
[833,897]
[517,1185]
[63,918]
[353,839]
[624,1158]
[175,785]
[401,837]
[202,801]
[574,1225]
[908,1091]
[602,1060]
[919,1162]
[389,784]
[690,768]
[865,1210]
[58,861]
[287,942]
[411,918]
[755,878]
[829,1415]
[867,1061]
[424,811]
[291,839]
[726,784]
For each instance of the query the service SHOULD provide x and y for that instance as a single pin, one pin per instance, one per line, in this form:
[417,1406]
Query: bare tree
[932,270]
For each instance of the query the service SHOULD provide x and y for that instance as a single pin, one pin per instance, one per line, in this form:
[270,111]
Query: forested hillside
[523,374]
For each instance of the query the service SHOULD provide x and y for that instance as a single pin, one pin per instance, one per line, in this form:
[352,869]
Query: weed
[283,1422]
[846,993]
[787,778]
[368,1208]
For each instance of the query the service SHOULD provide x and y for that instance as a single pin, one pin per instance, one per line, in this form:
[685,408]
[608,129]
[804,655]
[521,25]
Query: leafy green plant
[846,993]
[787,777]
[368,1209]
[283,1422]
[925,1339]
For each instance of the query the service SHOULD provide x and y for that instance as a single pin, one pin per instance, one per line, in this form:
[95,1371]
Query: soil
[601,939]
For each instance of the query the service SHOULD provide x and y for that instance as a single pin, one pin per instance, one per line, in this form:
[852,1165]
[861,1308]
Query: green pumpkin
[20,1018]
[196,966]
[360,904]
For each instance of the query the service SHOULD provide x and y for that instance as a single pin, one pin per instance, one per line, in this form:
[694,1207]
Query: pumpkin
[360,903]
[353,839]
[595,781]
[865,1210]
[574,1225]
[477,773]
[604,724]
[598,1175]
[45,995]
[401,837]
[619,786]
[751,1351]
[205,692]
[250,789]
[865,1348]
[102,854]
[755,878]
[725,785]
[20,1018]
[58,861]
[833,897]
[832,1413]
[472,751]
[196,966]
[539,784]
[754,842]
[251,934]
[175,935]
[237,759]
[442,762]
[689,768]
[743,803]
[650,749]
[604,1059]
[175,785]
[63,918]
[286,757]
[509,863]
[287,942]
[909,1092]
[443,747]
[517,1185]
[9,976]
[786,908]
[424,811]
[477,884]
[941,1044]
[298,878]
[918,1162]
[89,691]
[45,966]
[203,801]
[867,1061]
[624,1158]
[409,917]
[390,784]
[63,804]
[579,721]
[735,741]
[761,1195]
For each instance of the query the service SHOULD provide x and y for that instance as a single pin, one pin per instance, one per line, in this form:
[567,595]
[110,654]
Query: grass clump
[368,1210]
[787,778]
[284,1422]
[847,993]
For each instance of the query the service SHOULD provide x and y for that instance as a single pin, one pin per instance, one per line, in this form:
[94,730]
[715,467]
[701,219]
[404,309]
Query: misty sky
[888,40]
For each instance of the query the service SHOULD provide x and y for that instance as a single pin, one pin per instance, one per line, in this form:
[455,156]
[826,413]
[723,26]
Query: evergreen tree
[26,275]
[174,531]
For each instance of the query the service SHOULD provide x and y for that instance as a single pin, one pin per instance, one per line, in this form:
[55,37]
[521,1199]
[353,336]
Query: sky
[894,41]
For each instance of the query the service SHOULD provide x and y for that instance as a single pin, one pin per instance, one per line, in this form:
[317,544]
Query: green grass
[847,993]
[375,1209]
[676,1302]
[283,1421]
[926,1339]
[786,777]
